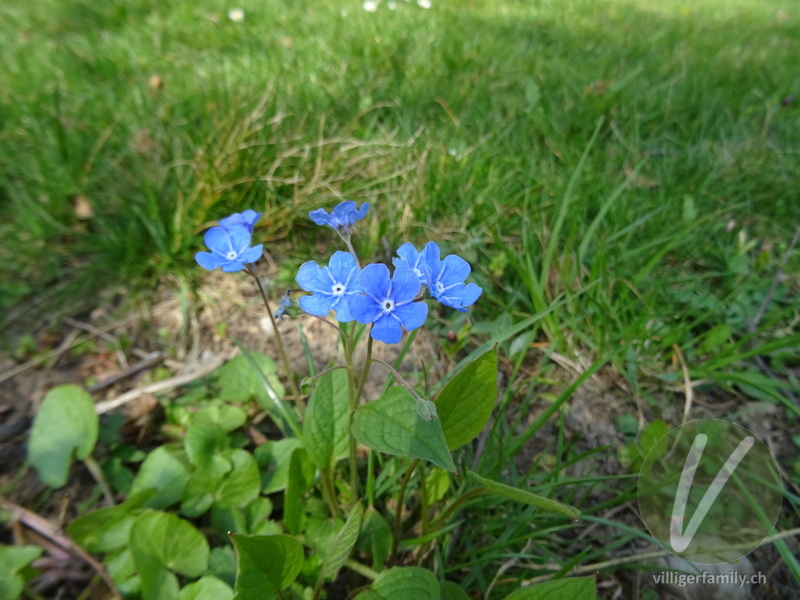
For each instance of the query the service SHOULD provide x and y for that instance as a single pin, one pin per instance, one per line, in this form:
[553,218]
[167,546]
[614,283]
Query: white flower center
[439,287]
[337,289]
[418,272]
[387,305]
[231,255]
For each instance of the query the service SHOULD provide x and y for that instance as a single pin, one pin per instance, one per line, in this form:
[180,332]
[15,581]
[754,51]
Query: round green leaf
[451,591]
[166,471]
[577,588]
[206,588]
[66,424]
[240,382]
[266,564]
[12,560]
[242,484]
[161,541]
[391,425]
[403,583]
[466,402]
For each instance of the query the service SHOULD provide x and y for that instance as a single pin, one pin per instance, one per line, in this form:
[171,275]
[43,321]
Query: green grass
[626,168]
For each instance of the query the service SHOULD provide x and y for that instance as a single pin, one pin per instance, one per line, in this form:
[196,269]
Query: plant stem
[287,370]
[398,511]
[328,491]
[361,569]
[97,473]
[351,388]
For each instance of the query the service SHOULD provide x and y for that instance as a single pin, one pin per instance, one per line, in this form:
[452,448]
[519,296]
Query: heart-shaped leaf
[162,543]
[403,583]
[65,424]
[466,402]
[391,425]
[266,564]
[577,588]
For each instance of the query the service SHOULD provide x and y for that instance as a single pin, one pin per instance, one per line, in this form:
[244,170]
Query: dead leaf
[82,207]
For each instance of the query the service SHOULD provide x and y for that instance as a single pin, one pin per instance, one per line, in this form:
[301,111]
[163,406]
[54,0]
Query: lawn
[621,176]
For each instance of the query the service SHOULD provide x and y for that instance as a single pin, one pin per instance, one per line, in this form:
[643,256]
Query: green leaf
[273,460]
[107,529]
[375,538]
[226,416]
[526,497]
[162,543]
[403,583]
[206,588]
[391,425]
[166,470]
[577,588]
[466,402]
[65,424]
[240,382]
[325,429]
[243,484]
[266,564]
[451,591]
[203,442]
[12,560]
[343,542]
[301,477]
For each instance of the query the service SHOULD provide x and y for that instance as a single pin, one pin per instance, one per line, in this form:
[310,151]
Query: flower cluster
[390,303]
[372,295]
[229,243]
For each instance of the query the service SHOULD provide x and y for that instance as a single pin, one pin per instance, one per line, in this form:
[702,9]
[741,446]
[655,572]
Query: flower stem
[287,370]
[398,511]
[99,477]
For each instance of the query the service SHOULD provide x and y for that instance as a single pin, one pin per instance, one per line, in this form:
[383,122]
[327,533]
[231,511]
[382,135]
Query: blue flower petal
[342,266]
[209,260]
[363,309]
[387,330]
[454,270]
[460,296]
[240,238]
[247,218]
[233,266]
[217,240]
[320,217]
[312,278]
[411,258]
[374,280]
[316,304]
[405,285]
[412,315]
[251,255]
[342,308]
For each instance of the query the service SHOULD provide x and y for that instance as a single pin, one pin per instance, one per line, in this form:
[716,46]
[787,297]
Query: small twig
[66,346]
[687,382]
[43,527]
[646,556]
[152,360]
[97,473]
[159,386]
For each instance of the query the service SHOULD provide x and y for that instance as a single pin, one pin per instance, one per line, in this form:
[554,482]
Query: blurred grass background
[630,165]
[627,169]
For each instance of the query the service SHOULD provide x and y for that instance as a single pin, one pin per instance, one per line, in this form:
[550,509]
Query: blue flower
[230,249]
[331,286]
[342,217]
[446,277]
[247,218]
[412,259]
[285,304]
[388,303]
